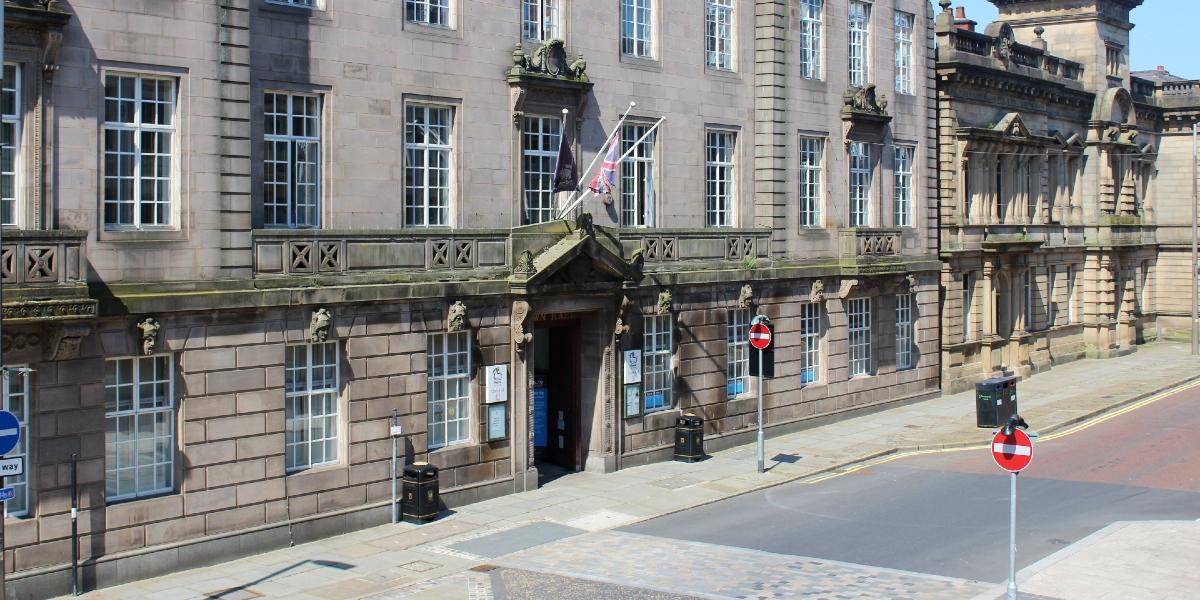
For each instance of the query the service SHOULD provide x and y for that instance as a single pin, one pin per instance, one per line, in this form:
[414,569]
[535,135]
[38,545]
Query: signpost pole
[1012,538]
[395,512]
[761,448]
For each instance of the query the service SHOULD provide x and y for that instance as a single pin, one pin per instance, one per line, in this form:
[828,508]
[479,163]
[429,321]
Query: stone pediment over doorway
[576,262]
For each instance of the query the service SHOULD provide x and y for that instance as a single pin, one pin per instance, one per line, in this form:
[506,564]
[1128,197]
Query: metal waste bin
[689,438]
[419,502]
[995,401]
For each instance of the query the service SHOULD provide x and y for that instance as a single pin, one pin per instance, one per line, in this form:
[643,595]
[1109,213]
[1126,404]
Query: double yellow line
[1054,436]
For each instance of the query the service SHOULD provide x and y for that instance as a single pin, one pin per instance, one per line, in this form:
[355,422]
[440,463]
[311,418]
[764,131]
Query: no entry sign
[760,336]
[1012,452]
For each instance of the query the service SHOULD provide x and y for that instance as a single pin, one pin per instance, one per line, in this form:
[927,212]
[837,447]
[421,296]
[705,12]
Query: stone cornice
[954,73]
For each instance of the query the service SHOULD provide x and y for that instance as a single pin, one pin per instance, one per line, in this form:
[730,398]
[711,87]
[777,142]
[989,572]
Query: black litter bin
[995,401]
[689,438]
[419,502]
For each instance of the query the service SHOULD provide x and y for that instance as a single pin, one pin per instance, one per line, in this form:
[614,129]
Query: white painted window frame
[311,405]
[541,20]
[540,139]
[637,28]
[11,160]
[658,380]
[812,23]
[433,13]
[637,176]
[719,34]
[904,332]
[299,212]
[720,193]
[136,128]
[737,352]
[162,374]
[810,343]
[904,24]
[859,154]
[904,157]
[858,314]
[448,405]
[811,177]
[425,204]
[16,401]
[858,25]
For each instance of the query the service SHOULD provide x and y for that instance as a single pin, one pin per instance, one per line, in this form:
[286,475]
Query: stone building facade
[243,234]
[1052,191]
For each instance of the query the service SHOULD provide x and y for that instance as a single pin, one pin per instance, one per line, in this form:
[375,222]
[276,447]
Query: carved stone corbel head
[846,287]
[520,337]
[318,326]
[664,303]
[910,282]
[456,317]
[745,297]
[149,328]
[818,292]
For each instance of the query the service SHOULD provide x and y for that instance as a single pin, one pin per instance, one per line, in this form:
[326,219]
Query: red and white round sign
[760,336]
[1012,452]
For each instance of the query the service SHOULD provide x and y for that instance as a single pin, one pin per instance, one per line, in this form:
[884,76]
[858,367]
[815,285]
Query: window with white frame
[904,52]
[428,159]
[311,405]
[810,342]
[904,332]
[718,34]
[139,433]
[428,12]
[1027,284]
[968,297]
[737,352]
[139,144]
[539,158]
[637,28]
[657,379]
[812,153]
[860,184]
[1051,304]
[449,398]
[858,313]
[10,144]
[859,23]
[903,170]
[637,176]
[812,16]
[291,159]
[1143,291]
[1072,314]
[299,3]
[539,19]
[718,178]
[16,401]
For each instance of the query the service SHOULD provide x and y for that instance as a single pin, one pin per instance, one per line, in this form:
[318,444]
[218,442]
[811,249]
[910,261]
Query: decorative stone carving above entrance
[548,60]
[65,340]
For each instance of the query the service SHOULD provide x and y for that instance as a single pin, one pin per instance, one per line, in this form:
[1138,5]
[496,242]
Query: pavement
[543,543]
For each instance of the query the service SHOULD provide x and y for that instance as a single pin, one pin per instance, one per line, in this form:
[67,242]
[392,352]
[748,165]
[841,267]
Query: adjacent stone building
[1055,191]
[241,235]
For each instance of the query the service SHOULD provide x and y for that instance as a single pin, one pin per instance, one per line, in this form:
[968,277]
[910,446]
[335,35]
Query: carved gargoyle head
[149,328]
[318,326]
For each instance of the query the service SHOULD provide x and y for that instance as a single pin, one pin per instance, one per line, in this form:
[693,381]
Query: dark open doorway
[556,398]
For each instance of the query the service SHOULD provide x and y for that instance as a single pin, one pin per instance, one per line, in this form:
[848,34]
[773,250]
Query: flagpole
[583,176]
[632,147]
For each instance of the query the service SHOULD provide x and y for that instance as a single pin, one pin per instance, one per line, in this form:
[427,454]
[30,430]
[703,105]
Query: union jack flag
[606,179]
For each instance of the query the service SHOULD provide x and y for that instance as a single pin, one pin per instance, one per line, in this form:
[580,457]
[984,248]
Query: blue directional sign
[10,432]
[7,494]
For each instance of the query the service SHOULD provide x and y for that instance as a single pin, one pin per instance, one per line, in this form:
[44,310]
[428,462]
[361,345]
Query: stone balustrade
[980,44]
[872,242]
[332,252]
[43,258]
[710,244]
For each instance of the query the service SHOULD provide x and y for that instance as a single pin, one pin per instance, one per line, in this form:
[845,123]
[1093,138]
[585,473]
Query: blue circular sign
[10,432]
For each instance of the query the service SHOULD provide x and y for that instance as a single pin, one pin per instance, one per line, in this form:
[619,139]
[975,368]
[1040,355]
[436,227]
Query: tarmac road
[947,514]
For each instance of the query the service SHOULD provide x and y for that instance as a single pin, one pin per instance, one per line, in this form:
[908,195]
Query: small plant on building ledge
[749,263]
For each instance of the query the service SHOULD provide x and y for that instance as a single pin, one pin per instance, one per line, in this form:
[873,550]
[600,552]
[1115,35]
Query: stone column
[770,119]
[234,143]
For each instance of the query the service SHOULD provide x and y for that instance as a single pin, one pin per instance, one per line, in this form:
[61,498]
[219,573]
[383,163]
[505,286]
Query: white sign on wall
[633,366]
[497,383]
